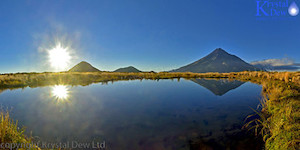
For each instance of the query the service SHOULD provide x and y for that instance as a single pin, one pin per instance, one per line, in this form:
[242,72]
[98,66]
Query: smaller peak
[83,62]
[83,66]
[127,69]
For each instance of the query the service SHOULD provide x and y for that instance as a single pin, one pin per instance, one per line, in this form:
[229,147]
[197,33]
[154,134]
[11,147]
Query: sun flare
[60,92]
[59,57]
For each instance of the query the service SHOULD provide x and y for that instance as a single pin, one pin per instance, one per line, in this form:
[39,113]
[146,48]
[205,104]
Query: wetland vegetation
[279,120]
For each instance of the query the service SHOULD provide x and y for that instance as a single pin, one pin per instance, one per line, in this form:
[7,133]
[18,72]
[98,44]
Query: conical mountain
[83,67]
[217,61]
[127,69]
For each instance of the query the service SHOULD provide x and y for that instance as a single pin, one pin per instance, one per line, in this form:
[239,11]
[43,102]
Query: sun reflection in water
[60,92]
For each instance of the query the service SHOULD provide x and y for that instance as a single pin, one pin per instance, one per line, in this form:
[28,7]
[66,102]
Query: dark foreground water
[164,114]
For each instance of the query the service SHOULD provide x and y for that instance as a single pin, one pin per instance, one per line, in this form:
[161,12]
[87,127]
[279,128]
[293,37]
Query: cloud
[284,64]
[274,62]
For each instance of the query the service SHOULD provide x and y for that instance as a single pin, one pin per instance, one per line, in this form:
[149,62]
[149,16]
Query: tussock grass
[283,111]
[10,133]
[279,122]
[85,78]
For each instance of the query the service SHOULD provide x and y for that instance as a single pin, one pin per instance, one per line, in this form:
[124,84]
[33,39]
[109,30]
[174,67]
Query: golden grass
[282,109]
[11,135]
[79,78]
[279,121]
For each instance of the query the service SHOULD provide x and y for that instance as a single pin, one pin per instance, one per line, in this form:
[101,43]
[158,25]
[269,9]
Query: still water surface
[164,114]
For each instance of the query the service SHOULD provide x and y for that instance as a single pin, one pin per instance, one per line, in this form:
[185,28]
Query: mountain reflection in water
[138,114]
[218,87]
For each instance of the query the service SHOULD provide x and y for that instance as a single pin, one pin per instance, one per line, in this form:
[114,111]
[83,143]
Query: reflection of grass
[279,120]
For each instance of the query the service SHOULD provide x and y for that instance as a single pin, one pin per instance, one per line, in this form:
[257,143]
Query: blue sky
[148,34]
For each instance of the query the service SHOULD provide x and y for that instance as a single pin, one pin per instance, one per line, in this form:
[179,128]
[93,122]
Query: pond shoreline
[279,120]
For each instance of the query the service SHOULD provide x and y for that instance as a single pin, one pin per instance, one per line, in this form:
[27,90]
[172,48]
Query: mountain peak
[217,61]
[127,69]
[219,50]
[84,62]
[83,66]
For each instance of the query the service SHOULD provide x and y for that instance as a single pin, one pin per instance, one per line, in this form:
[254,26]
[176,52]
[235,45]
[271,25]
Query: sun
[60,92]
[59,57]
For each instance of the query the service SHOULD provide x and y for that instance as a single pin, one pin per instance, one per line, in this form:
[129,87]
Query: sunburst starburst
[59,57]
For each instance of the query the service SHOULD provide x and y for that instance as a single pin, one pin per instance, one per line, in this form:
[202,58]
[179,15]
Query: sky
[156,35]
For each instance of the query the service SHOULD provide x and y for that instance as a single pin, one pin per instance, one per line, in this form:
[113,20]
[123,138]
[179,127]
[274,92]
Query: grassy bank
[76,78]
[11,137]
[280,117]
[281,111]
